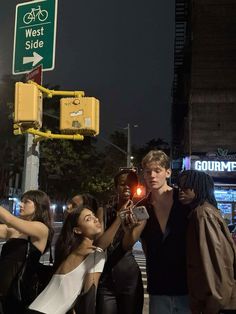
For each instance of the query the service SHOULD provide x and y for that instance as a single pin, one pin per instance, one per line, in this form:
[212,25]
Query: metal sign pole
[34,44]
[128,146]
[31,164]
[31,156]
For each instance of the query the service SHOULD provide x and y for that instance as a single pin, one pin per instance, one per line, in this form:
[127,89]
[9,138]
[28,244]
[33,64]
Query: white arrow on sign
[35,59]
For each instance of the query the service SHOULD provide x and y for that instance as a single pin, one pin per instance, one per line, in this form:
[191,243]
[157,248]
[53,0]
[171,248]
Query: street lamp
[128,152]
[129,143]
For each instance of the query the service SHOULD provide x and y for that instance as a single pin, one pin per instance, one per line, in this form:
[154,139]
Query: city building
[204,93]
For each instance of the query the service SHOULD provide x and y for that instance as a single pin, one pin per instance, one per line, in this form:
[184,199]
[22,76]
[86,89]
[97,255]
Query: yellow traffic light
[28,105]
[79,115]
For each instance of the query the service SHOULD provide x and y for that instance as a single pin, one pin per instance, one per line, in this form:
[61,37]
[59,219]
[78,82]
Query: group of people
[190,254]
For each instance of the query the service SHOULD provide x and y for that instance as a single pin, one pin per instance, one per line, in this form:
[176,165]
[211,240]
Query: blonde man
[163,237]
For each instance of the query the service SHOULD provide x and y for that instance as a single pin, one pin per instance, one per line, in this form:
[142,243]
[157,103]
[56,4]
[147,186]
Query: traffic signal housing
[28,106]
[79,116]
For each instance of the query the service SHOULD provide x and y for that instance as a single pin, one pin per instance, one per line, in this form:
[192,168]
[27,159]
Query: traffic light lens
[139,191]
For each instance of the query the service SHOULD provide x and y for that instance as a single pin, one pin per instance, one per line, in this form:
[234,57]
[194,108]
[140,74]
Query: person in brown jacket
[211,253]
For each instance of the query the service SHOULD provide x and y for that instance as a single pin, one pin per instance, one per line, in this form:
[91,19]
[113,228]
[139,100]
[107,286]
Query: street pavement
[140,258]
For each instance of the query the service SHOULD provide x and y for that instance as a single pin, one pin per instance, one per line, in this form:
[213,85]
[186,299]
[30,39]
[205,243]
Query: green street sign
[35,36]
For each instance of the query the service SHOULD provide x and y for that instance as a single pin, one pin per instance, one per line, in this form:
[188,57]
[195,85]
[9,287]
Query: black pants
[111,302]
[10,305]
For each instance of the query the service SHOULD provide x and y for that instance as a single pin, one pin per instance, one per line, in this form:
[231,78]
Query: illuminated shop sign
[223,166]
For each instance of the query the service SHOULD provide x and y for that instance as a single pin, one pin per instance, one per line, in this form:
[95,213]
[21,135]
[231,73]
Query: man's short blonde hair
[156,156]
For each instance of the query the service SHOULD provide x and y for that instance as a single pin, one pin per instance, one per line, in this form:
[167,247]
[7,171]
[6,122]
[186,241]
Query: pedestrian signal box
[28,105]
[79,116]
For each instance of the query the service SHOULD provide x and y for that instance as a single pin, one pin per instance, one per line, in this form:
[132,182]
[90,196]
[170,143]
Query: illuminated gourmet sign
[216,166]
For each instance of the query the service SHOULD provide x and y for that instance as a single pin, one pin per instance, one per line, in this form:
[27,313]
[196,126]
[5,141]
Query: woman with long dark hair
[33,228]
[78,263]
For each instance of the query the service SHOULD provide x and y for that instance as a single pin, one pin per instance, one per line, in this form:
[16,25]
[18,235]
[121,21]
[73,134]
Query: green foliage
[69,167]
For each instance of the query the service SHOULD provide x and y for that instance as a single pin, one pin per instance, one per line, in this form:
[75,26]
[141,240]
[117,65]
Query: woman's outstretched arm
[35,229]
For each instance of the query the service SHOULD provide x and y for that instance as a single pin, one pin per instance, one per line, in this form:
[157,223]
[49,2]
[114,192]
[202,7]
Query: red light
[139,191]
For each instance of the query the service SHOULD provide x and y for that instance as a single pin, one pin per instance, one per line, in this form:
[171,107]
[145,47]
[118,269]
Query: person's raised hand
[129,220]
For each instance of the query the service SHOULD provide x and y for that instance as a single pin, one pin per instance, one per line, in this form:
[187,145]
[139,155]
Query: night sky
[120,52]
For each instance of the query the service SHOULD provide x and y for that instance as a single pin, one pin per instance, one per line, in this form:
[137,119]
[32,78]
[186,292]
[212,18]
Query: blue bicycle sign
[35,14]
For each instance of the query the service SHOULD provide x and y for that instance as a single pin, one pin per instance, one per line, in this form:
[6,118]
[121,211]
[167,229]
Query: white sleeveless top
[63,289]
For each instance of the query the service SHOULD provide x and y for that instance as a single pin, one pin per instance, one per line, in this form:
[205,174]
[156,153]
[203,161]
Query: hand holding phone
[125,210]
[140,212]
[123,214]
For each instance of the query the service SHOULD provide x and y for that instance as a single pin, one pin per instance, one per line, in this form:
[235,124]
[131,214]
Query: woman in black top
[120,289]
[33,227]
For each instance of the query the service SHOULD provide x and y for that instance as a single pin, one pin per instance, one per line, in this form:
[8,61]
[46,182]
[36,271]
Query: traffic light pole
[25,122]
[129,151]
[31,164]
[128,147]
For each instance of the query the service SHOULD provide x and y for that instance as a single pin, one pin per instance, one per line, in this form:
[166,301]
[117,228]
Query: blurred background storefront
[223,171]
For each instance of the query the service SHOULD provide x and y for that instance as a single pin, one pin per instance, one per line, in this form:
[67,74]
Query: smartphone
[140,213]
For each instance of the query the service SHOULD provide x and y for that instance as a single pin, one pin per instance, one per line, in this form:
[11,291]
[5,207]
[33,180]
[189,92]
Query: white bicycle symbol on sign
[35,13]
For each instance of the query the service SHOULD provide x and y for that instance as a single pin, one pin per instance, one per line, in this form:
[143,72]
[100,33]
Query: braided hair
[201,183]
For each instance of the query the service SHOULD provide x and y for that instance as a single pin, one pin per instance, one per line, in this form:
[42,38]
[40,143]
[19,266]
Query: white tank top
[63,289]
